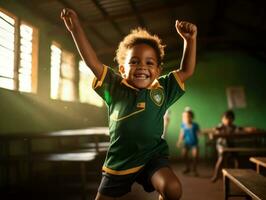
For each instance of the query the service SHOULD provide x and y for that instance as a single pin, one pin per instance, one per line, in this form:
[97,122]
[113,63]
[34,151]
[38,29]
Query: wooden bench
[254,138]
[253,184]
[96,145]
[82,158]
[259,161]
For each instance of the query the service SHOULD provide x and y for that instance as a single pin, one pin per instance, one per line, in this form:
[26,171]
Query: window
[7,50]
[27,74]
[86,93]
[62,74]
[18,54]
[55,70]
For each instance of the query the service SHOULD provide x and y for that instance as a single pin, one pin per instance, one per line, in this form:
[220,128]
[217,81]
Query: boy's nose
[141,65]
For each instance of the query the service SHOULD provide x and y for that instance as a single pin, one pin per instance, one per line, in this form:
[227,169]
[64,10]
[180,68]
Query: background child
[189,135]
[226,126]
[137,101]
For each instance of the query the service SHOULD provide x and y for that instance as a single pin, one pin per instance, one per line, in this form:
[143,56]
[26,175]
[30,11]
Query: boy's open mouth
[141,76]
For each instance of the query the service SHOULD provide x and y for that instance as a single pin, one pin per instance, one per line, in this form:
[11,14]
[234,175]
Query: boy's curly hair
[139,36]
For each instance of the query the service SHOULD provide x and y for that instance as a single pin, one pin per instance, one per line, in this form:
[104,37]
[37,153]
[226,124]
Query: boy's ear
[159,71]
[122,70]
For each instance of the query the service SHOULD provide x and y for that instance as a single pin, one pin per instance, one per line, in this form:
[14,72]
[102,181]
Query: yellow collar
[154,85]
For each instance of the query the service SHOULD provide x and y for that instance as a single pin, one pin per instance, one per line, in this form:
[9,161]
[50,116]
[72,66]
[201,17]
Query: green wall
[206,93]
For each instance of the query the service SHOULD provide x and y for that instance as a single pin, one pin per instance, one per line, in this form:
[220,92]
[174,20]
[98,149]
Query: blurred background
[44,85]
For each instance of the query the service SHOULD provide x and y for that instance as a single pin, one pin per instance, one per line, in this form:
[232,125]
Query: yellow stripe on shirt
[98,83]
[180,83]
[122,172]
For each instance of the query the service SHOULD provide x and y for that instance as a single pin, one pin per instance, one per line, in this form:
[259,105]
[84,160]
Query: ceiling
[222,24]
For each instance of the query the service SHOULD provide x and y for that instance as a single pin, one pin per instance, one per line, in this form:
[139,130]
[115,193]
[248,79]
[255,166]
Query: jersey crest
[157,96]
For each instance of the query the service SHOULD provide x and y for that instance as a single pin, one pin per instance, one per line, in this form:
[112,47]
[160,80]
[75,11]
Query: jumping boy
[137,101]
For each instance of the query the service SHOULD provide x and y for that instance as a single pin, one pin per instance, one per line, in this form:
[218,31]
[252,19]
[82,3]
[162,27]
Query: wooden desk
[259,161]
[210,137]
[247,180]
[60,133]
[26,137]
[255,148]
[81,157]
[237,134]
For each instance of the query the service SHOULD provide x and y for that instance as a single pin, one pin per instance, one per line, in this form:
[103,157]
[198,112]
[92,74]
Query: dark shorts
[119,185]
[190,146]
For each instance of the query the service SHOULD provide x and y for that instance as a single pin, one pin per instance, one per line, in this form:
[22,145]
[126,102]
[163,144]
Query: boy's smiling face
[140,67]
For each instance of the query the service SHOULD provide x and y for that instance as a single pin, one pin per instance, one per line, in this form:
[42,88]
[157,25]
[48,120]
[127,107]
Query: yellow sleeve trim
[122,172]
[180,83]
[98,83]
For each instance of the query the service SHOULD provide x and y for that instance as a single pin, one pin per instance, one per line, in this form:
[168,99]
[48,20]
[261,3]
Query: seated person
[226,126]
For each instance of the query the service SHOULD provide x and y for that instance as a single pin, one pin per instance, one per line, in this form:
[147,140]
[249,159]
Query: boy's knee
[172,190]
[175,191]
[102,197]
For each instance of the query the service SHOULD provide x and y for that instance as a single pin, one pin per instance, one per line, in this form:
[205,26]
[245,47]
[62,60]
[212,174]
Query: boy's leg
[167,184]
[217,168]
[102,197]
[195,155]
[186,159]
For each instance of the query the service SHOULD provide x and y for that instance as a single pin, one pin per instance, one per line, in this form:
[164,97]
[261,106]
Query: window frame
[59,95]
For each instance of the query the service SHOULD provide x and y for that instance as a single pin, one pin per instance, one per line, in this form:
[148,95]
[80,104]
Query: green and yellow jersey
[135,119]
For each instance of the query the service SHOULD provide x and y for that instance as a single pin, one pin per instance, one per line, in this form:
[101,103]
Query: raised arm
[188,32]
[84,47]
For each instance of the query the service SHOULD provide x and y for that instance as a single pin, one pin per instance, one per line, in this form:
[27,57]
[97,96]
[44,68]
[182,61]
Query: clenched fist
[186,30]
[70,18]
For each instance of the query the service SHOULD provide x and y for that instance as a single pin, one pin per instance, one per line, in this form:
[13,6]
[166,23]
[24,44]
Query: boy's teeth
[141,76]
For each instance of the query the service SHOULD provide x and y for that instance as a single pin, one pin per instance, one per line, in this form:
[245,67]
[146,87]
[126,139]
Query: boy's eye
[150,63]
[133,62]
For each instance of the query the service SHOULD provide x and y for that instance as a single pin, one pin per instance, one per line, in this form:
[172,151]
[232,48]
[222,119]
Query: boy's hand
[178,144]
[70,18]
[186,30]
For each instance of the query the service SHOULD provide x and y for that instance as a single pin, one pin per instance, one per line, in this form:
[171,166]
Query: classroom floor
[200,188]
